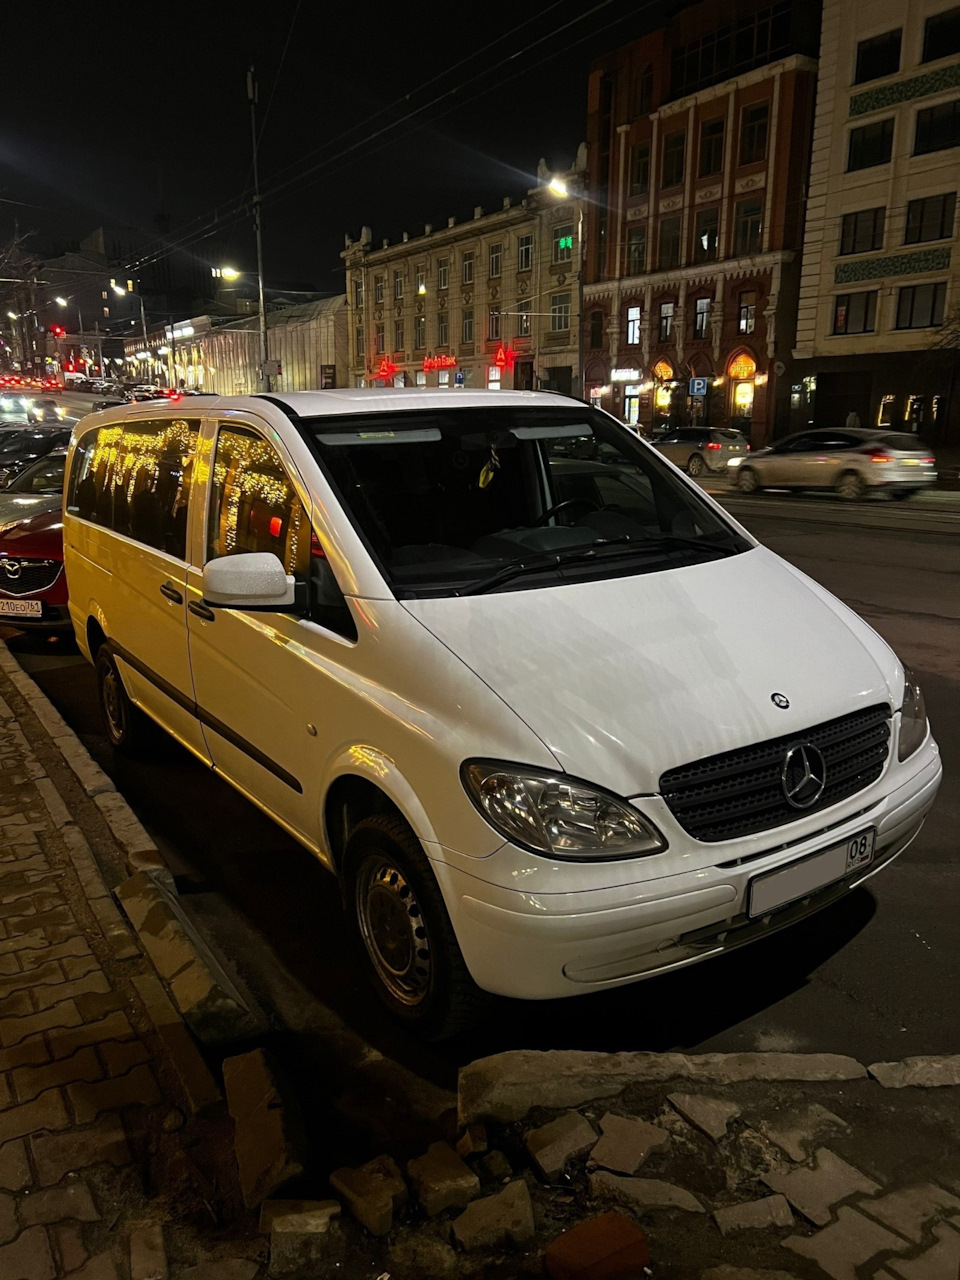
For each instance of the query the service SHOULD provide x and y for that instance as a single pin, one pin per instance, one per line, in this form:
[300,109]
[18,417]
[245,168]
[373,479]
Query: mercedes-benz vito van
[555,720]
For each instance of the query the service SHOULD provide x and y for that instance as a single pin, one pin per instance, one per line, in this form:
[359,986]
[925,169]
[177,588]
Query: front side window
[419,331]
[523,318]
[524,253]
[920,306]
[748,225]
[930,219]
[633,326]
[706,235]
[563,242]
[640,169]
[398,284]
[498,535]
[753,133]
[466,268]
[674,145]
[701,318]
[941,35]
[466,325]
[666,320]
[878,56]
[443,273]
[668,248]
[636,251]
[493,324]
[855,312]
[870,145]
[938,128]
[495,260]
[747,311]
[862,231]
[711,148]
[559,312]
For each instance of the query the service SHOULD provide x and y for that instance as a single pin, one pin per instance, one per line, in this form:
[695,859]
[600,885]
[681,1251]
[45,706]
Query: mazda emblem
[803,776]
[11,567]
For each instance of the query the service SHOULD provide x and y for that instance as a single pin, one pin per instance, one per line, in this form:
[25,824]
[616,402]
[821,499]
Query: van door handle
[170,591]
[202,610]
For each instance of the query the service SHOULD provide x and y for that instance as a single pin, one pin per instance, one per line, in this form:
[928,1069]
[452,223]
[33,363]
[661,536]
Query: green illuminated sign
[565,242]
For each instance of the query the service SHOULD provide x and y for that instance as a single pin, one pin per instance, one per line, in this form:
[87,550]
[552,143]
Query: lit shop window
[493,378]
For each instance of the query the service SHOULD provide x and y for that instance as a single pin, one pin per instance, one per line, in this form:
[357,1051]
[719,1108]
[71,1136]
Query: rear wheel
[125,725]
[696,465]
[748,481]
[397,912]
[851,487]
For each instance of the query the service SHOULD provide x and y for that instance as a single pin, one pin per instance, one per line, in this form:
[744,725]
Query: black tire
[125,726]
[415,964]
[851,486]
[696,465]
[748,481]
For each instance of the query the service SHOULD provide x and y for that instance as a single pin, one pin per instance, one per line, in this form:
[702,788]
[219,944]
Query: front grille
[740,792]
[22,577]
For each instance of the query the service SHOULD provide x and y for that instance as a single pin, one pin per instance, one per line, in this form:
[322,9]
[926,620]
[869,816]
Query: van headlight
[556,815]
[913,716]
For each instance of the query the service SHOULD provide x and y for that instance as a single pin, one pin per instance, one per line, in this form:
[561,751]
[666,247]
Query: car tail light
[315,547]
[930,460]
[880,457]
[712,444]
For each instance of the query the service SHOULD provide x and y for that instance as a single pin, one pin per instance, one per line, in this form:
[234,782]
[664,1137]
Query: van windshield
[462,501]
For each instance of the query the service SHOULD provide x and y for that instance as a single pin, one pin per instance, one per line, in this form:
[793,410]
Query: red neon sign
[439,362]
[387,368]
[505,358]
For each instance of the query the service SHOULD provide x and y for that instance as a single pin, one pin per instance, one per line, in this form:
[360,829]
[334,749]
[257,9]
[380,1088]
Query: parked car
[110,402]
[18,448]
[33,587]
[697,449]
[47,410]
[38,488]
[466,648]
[852,462]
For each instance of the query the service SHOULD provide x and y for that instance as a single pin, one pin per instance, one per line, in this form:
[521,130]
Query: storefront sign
[742,366]
[624,375]
[505,358]
[387,368]
[663,370]
[439,362]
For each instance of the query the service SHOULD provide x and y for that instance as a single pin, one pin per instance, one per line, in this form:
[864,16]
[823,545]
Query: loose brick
[772,1211]
[73,1201]
[13,1030]
[137,1087]
[66,1041]
[30,1081]
[148,1257]
[553,1145]
[29,1257]
[814,1192]
[45,1112]
[76,991]
[56,1155]
[602,1248]
[69,1241]
[14,1169]
[441,1180]
[847,1244]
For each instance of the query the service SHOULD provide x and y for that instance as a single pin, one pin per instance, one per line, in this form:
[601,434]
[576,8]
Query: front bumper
[547,945]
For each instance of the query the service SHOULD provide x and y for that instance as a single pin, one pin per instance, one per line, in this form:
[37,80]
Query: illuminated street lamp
[556,186]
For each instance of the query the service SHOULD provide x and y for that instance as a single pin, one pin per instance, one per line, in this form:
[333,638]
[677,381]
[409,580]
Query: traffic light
[57,330]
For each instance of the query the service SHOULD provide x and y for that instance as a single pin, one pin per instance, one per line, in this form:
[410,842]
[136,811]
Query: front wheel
[851,487]
[125,725]
[696,465]
[748,481]
[398,915]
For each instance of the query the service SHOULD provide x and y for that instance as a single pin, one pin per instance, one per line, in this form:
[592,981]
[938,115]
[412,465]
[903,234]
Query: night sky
[123,113]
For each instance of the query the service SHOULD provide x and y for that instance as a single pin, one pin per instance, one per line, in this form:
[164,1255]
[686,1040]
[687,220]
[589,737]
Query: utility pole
[252,99]
[173,353]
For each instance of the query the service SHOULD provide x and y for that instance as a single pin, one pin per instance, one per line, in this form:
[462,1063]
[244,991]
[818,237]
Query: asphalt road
[876,976]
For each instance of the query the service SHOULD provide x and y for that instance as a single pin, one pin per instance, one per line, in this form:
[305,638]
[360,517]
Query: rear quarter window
[903,442]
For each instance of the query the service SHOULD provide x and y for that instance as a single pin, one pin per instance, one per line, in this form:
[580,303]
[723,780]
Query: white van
[556,720]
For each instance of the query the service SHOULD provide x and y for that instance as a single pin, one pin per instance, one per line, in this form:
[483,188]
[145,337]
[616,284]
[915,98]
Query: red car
[33,587]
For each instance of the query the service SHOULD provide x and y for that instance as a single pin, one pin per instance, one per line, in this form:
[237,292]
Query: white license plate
[778,888]
[734,462]
[21,608]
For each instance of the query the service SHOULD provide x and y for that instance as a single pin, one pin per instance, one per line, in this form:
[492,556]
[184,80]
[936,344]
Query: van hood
[626,677]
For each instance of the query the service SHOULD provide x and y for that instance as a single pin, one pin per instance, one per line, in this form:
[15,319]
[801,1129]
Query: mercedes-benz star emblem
[780,700]
[803,776]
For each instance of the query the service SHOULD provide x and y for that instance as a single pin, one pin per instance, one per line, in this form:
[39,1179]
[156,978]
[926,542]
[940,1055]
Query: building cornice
[796,62]
[695,274]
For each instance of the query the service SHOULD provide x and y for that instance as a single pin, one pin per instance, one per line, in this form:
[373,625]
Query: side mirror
[252,580]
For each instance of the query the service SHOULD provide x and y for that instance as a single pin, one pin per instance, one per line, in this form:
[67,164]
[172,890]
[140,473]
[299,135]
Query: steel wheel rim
[393,930]
[113,705]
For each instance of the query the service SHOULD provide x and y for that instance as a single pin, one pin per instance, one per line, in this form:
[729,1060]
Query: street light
[229,273]
[556,186]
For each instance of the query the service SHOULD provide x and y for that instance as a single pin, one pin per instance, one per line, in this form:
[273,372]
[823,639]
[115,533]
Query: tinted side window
[150,479]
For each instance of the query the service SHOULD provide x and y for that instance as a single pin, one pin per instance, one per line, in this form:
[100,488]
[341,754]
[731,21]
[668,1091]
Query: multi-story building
[698,137]
[879,276]
[492,302]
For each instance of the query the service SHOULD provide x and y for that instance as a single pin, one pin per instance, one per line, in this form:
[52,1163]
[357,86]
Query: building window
[563,242]
[886,411]
[398,284]
[493,324]
[443,378]
[641,92]
[862,231]
[633,326]
[523,318]
[421,278]
[937,128]
[668,246]
[524,253]
[878,56]
[870,145]
[941,35]
[398,336]
[701,318]
[920,306]
[753,133]
[636,251]
[706,235]
[747,312]
[381,340]
[596,330]
[443,329]
[466,272]
[358,293]
[711,147]
[378,288]
[419,332]
[674,146]
[443,273]
[640,169]
[495,260]
[666,320]
[748,227]
[930,219]
[493,378]
[359,345]
[855,312]
[466,325]
[421,378]
[559,312]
